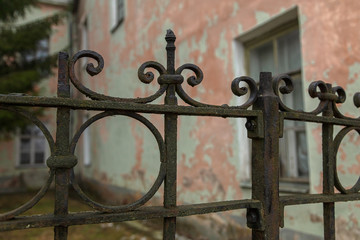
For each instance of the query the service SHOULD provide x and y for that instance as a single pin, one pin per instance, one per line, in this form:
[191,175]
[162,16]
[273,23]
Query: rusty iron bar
[77,104]
[265,121]
[314,198]
[143,213]
[170,188]
[265,165]
[328,171]
[62,175]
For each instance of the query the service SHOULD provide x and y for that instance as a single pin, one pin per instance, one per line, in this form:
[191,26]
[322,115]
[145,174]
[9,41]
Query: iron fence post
[328,170]
[265,164]
[169,229]
[62,175]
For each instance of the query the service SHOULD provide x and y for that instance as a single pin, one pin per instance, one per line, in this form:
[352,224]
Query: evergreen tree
[23,54]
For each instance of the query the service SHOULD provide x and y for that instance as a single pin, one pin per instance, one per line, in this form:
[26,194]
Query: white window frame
[117,15]
[32,138]
[244,143]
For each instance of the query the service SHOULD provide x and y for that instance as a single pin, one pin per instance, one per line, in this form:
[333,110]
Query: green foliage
[24,58]
[12,9]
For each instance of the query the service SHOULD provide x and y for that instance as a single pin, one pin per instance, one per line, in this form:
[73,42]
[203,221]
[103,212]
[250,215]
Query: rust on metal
[265,120]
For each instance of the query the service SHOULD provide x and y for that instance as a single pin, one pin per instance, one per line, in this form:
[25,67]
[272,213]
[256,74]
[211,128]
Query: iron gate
[264,125]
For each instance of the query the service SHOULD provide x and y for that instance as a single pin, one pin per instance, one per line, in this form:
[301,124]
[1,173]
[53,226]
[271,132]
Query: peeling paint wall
[125,153]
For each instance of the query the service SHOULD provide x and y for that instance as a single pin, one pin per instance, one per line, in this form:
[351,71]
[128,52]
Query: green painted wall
[125,154]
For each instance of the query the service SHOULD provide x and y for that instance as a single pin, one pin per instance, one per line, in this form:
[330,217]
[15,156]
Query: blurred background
[119,157]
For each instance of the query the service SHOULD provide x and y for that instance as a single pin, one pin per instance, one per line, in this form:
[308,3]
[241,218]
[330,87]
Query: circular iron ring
[337,141]
[160,178]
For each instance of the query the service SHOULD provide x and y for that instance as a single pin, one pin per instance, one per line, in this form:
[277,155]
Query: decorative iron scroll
[164,79]
[265,121]
[318,89]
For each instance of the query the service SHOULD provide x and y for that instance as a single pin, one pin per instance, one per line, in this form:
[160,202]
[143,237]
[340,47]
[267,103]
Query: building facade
[309,40]
[23,156]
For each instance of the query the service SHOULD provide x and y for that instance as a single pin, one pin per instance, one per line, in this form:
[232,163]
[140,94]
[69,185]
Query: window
[117,13]
[40,53]
[33,147]
[279,52]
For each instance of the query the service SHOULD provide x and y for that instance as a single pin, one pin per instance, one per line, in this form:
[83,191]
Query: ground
[201,227]
[135,230]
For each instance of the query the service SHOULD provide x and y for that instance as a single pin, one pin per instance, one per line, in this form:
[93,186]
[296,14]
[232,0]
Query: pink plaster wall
[330,45]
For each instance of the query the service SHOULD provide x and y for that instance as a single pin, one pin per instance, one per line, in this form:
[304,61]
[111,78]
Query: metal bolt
[250,125]
[252,216]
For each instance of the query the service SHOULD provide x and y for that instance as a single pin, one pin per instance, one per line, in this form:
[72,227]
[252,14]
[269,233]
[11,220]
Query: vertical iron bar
[328,171]
[265,162]
[62,175]
[169,228]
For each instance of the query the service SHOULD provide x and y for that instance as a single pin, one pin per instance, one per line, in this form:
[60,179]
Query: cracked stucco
[208,159]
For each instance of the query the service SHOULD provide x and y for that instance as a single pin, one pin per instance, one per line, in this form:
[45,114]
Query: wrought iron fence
[264,125]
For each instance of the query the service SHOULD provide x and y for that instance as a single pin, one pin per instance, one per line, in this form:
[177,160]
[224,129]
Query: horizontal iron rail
[313,198]
[320,119]
[35,101]
[49,220]
[318,198]
[124,106]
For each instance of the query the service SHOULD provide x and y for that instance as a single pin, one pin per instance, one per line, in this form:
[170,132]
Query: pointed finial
[170,49]
[170,36]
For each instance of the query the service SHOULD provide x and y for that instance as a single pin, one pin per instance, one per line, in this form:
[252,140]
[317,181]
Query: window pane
[39,150]
[298,93]
[36,131]
[25,145]
[295,99]
[25,148]
[26,131]
[39,144]
[289,54]
[40,53]
[282,54]
[302,153]
[32,146]
[119,10]
[39,157]
[25,158]
[262,60]
[42,49]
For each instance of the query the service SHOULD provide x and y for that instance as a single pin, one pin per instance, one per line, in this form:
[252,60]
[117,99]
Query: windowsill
[286,186]
[31,166]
